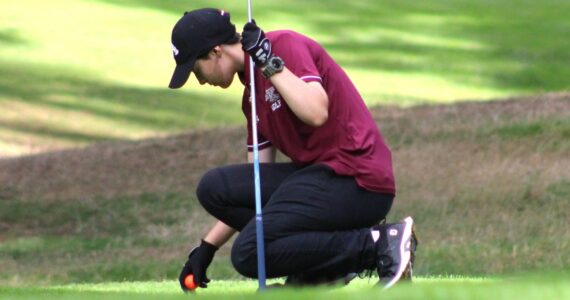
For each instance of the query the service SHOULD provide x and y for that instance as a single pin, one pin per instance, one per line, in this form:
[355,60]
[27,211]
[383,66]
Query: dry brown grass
[175,163]
[484,202]
[160,165]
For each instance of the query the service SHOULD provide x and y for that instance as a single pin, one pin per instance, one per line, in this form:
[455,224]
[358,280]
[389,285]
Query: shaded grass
[97,217]
[100,239]
[97,69]
[559,128]
[492,228]
[135,108]
[63,109]
[465,42]
[538,123]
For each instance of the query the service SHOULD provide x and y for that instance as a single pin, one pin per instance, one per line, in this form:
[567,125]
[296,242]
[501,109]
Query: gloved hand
[198,261]
[255,43]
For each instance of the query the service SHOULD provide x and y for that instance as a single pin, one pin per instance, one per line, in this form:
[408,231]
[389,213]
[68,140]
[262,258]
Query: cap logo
[175,50]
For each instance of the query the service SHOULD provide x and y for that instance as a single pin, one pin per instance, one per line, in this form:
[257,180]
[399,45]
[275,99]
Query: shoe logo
[375,235]
[393,232]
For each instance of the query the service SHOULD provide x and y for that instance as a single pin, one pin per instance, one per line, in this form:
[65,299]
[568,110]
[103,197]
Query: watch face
[274,65]
[276,62]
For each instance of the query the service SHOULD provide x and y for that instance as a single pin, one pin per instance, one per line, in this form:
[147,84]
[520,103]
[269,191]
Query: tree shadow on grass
[11,37]
[149,110]
[466,42]
[63,134]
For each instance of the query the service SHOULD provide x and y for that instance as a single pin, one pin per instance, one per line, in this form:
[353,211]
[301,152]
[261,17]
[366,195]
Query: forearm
[308,101]
[219,234]
[266,155]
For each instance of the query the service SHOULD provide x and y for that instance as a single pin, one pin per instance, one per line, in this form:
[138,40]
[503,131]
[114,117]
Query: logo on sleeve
[273,97]
[175,50]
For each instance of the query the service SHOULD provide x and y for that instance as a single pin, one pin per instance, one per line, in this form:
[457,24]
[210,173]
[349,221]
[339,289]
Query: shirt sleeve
[261,140]
[295,50]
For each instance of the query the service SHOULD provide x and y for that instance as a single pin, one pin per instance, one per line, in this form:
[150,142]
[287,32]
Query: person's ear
[217,51]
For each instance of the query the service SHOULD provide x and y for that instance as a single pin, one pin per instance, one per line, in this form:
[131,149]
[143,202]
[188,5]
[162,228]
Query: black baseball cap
[194,35]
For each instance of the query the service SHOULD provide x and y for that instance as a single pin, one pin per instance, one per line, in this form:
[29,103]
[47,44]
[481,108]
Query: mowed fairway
[78,72]
[552,286]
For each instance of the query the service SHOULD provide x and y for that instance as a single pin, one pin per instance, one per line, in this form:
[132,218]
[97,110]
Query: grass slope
[78,72]
[487,183]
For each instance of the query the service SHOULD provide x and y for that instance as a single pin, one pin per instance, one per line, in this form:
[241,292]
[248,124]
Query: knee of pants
[244,255]
[209,190]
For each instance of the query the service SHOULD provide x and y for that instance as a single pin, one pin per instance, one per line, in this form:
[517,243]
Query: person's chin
[226,84]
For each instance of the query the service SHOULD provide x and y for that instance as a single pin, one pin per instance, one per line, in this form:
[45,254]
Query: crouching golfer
[321,211]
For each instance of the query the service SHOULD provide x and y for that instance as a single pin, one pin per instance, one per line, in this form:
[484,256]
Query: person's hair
[233,40]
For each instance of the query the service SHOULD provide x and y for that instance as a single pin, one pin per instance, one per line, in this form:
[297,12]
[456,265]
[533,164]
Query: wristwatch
[274,65]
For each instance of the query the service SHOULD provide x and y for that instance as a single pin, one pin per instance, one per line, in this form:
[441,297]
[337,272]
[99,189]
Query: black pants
[315,222]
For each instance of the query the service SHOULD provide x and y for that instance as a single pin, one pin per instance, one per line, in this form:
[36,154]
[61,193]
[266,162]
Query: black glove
[255,43]
[198,261]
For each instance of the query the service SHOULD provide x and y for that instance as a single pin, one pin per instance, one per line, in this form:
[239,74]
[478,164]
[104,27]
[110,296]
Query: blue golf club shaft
[258,215]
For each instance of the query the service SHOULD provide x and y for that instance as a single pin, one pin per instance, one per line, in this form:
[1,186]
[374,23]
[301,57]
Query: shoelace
[368,272]
[384,264]
[383,268]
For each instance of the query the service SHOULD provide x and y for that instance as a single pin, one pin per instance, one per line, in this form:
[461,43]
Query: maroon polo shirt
[349,142]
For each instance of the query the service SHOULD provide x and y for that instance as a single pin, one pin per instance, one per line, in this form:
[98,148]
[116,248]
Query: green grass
[123,238]
[78,72]
[488,191]
[101,239]
[558,127]
[551,286]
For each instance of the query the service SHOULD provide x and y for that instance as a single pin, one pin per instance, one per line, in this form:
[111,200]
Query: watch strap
[270,70]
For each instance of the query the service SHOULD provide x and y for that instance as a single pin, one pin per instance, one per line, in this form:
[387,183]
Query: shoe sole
[405,251]
[349,277]
[408,273]
[341,281]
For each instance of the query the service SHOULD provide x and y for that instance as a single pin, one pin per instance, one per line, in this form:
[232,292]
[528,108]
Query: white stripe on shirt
[312,77]
[260,144]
